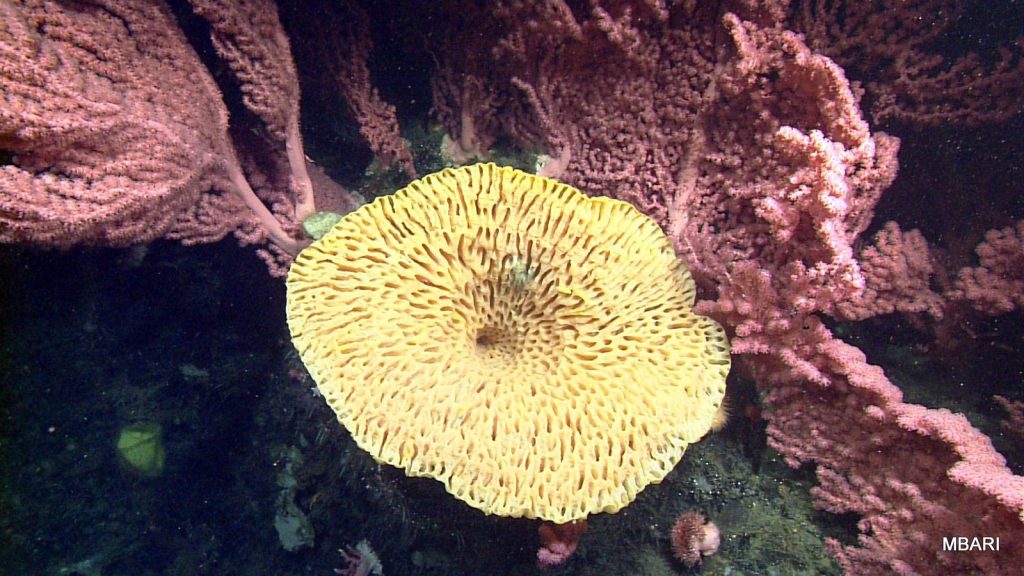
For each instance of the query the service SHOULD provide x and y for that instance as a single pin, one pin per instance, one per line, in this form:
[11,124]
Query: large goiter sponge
[530,347]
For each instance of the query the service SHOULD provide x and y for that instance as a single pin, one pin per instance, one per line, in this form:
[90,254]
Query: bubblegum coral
[120,135]
[558,542]
[342,46]
[751,151]
[913,475]
[897,272]
[897,48]
[997,285]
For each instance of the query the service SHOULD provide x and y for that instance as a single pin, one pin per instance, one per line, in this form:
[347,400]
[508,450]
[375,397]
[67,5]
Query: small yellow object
[460,412]
[582,306]
[140,447]
[533,349]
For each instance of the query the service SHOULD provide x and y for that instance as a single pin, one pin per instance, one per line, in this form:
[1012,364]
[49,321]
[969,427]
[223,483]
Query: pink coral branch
[750,149]
[249,36]
[996,286]
[896,48]
[1013,425]
[897,272]
[120,135]
[909,472]
[558,542]
[377,119]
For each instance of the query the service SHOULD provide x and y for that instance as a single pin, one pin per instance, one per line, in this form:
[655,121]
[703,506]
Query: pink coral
[896,48]
[120,135]
[897,272]
[751,151]
[558,542]
[997,285]
[909,472]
